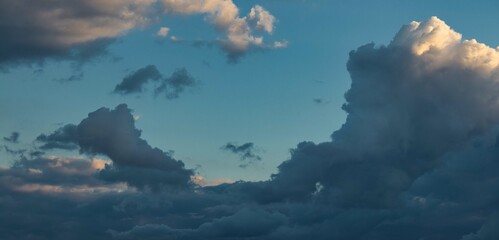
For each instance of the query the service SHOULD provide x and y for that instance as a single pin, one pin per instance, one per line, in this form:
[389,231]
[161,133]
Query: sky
[232,119]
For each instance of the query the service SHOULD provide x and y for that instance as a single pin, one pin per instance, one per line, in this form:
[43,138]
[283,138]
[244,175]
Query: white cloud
[264,20]
[438,44]
[224,15]
[280,44]
[163,32]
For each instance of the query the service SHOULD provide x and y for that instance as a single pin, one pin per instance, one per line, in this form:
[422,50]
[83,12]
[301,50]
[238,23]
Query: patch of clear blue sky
[266,98]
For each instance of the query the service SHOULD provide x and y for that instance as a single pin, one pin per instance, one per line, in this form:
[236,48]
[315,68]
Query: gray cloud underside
[416,159]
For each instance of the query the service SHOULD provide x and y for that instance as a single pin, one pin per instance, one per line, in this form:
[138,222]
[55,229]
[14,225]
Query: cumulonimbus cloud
[415,159]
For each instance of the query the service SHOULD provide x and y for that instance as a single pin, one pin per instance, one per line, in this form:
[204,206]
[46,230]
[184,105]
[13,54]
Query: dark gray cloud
[65,137]
[171,86]
[113,134]
[174,85]
[405,111]
[13,138]
[416,159]
[135,81]
[245,151]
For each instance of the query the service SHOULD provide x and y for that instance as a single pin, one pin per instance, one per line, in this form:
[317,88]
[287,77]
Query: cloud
[174,85]
[406,109]
[13,138]
[245,151]
[415,159]
[263,18]
[70,30]
[224,15]
[135,81]
[112,133]
[171,86]
[79,31]
[163,32]
[65,137]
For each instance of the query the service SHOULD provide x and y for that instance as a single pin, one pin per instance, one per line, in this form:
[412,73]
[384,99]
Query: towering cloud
[425,94]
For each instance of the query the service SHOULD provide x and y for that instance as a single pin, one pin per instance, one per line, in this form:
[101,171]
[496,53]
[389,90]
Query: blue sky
[265,98]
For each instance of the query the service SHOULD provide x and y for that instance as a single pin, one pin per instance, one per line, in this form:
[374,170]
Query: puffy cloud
[264,19]
[171,86]
[224,14]
[113,133]
[82,30]
[63,29]
[406,109]
[163,32]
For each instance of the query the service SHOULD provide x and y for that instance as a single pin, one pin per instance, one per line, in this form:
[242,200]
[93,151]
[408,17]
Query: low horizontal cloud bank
[171,86]
[82,30]
[416,159]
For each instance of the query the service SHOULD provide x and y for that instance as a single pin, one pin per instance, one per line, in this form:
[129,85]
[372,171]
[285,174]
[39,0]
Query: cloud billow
[415,159]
